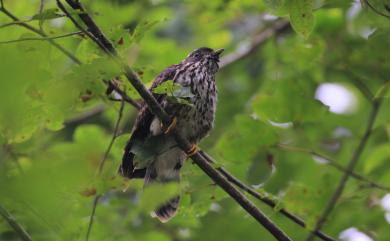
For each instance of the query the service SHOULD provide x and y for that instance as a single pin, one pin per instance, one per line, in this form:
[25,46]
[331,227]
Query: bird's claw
[193,150]
[170,126]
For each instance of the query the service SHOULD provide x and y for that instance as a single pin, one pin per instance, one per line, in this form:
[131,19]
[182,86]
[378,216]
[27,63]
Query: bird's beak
[218,52]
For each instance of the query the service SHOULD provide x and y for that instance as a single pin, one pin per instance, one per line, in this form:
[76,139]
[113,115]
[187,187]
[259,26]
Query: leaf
[156,194]
[167,87]
[277,7]
[50,13]
[142,28]
[377,157]
[301,16]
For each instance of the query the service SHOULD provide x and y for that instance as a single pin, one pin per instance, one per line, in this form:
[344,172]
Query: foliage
[269,121]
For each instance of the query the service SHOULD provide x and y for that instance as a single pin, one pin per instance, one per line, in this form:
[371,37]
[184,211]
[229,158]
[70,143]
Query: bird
[151,152]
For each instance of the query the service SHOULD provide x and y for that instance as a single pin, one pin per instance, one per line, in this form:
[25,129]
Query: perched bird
[152,153]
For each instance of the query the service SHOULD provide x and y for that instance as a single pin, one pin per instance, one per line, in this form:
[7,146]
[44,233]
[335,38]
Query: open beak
[218,52]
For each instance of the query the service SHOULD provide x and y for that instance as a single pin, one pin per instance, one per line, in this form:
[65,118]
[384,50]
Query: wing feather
[141,128]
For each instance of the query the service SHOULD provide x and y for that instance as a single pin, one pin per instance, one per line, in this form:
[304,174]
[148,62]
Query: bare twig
[333,163]
[101,166]
[376,10]
[124,96]
[43,38]
[264,198]
[183,143]
[244,49]
[86,115]
[351,165]
[19,230]
[92,217]
[39,32]
[41,7]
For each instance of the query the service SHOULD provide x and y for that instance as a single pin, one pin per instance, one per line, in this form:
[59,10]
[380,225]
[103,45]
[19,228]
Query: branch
[165,119]
[39,32]
[334,164]
[98,109]
[264,198]
[56,45]
[351,165]
[101,166]
[244,49]
[19,230]
[376,10]
[43,38]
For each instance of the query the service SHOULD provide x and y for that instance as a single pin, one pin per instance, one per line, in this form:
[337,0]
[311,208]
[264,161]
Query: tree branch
[351,165]
[244,49]
[333,163]
[264,198]
[183,143]
[43,38]
[19,230]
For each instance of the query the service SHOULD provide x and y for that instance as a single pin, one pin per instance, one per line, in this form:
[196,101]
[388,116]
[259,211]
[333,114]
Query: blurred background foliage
[303,94]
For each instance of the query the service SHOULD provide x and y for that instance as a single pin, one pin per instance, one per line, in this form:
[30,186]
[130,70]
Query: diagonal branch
[264,198]
[244,49]
[351,165]
[182,142]
[19,230]
[333,163]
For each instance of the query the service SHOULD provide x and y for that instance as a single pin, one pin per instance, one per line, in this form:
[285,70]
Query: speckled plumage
[197,72]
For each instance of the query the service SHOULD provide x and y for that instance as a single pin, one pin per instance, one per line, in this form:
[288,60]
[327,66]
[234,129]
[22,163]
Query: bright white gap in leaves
[353,234]
[385,203]
[339,99]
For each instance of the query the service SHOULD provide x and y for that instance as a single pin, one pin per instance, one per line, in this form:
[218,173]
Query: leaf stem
[19,230]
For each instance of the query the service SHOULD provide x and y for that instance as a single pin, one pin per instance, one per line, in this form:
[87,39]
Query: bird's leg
[170,126]
[192,151]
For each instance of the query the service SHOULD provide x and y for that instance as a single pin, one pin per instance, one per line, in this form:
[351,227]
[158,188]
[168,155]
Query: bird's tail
[167,210]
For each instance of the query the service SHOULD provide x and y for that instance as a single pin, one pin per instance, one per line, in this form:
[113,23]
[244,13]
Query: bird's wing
[141,129]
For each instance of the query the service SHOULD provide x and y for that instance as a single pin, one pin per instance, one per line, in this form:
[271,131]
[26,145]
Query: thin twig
[19,230]
[43,38]
[56,45]
[86,115]
[351,165]
[124,96]
[244,49]
[92,217]
[39,32]
[376,10]
[264,198]
[41,7]
[101,166]
[333,163]
[182,142]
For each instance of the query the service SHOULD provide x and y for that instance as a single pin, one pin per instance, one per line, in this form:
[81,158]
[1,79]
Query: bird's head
[205,56]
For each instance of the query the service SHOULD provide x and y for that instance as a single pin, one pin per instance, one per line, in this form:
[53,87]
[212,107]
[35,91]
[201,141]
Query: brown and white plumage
[164,159]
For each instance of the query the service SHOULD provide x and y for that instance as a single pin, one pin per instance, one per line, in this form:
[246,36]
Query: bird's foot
[170,127]
[193,150]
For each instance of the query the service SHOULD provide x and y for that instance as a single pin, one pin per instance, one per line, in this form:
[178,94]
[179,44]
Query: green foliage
[270,127]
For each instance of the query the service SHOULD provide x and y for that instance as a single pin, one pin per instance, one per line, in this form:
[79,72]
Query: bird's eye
[196,55]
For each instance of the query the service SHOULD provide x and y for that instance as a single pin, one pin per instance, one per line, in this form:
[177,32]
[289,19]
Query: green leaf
[157,194]
[378,156]
[50,13]
[167,87]
[142,28]
[301,16]
[277,7]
